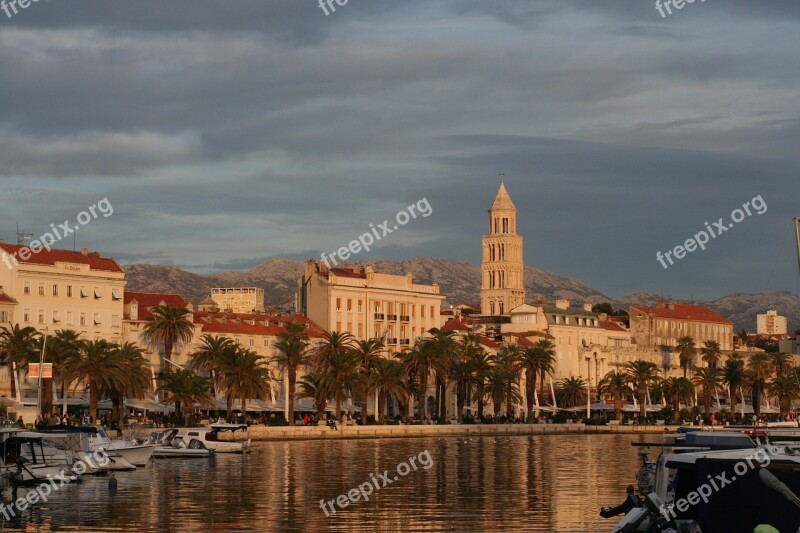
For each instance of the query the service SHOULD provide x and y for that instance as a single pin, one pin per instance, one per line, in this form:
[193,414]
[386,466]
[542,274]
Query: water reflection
[540,483]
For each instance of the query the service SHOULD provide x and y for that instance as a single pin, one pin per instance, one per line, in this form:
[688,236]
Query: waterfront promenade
[279,433]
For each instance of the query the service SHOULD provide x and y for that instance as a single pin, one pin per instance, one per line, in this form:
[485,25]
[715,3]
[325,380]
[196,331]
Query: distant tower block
[239,299]
[502,266]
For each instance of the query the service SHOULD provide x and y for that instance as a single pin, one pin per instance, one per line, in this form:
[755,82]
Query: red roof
[146,300]
[6,298]
[683,312]
[486,341]
[250,324]
[612,325]
[45,257]
[455,325]
[342,272]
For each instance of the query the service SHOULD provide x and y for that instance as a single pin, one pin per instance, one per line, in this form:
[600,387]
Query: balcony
[378,316]
[404,318]
[391,340]
[391,317]
[405,341]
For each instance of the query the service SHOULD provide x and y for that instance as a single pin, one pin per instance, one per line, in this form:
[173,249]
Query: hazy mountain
[459,281]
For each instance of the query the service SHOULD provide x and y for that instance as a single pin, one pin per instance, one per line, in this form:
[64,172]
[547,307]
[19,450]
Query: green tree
[571,392]
[421,360]
[60,346]
[170,328]
[507,359]
[18,346]
[711,353]
[710,379]
[758,368]
[677,390]
[292,353]
[462,375]
[369,352]
[538,361]
[137,377]
[686,353]
[389,380]
[98,365]
[311,386]
[210,355]
[446,346]
[641,374]
[245,375]
[733,374]
[185,388]
[786,388]
[781,363]
[340,375]
[500,385]
[615,384]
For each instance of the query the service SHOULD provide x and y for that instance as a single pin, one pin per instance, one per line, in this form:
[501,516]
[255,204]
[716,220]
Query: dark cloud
[224,133]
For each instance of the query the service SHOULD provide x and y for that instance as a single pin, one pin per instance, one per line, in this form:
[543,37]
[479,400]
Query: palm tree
[641,374]
[781,362]
[245,375]
[571,391]
[538,361]
[420,360]
[369,353]
[18,346]
[733,375]
[60,346]
[686,353]
[710,379]
[758,368]
[482,363]
[786,388]
[445,345]
[209,356]
[311,386]
[388,378]
[340,375]
[170,328]
[185,388]
[500,386]
[615,384]
[292,348]
[507,360]
[678,389]
[137,380]
[711,353]
[97,364]
[462,374]
[545,352]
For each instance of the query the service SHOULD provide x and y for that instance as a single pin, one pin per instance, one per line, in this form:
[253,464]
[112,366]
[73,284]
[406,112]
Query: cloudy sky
[227,132]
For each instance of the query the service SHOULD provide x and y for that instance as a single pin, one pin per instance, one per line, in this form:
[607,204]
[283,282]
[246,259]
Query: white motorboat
[169,445]
[22,459]
[210,437]
[125,455]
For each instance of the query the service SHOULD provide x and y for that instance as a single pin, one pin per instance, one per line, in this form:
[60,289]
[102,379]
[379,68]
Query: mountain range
[460,281]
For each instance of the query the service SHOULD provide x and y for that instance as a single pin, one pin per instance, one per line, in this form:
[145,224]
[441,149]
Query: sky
[224,133]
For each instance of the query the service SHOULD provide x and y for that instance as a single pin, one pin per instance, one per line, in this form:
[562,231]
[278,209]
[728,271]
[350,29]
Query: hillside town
[373,346]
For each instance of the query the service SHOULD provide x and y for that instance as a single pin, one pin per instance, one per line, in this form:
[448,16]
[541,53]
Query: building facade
[666,322]
[239,299]
[502,266]
[771,323]
[369,304]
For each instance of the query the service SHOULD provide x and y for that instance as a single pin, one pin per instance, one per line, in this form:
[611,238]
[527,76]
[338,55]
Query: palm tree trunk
[381,406]
[364,402]
[187,414]
[12,372]
[732,392]
[757,398]
[437,396]
[228,406]
[338,405]
[423,395]
[676,409]
[530,394]
[292,380]
[94,395]
[642,404]
[47,395]
[244,409]
[460,404]
[480,401]
[443,398]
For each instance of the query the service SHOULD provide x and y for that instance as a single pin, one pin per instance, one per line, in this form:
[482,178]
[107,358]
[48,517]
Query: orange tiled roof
[455,325]
[250,324]
[45,257]
[612,325]
[683,312]
[6,298]
[145,300]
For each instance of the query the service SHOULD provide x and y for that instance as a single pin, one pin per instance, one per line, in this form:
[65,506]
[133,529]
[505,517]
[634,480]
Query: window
[56,317]
[41,316]
[69,318]
[97,293]
[349,305]
[422,311]
[359,306]
[115,320]
[27,288]
[55,289]
[266,343]
[338,304]
[69,291]
[41,289]
[237,340]
[26,315]
[252,342]
[116,294]
[96,319]
[84,292]
[83,319]
[3,316]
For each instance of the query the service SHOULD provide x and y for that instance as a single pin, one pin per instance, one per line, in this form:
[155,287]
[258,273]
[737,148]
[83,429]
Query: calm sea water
[540,483]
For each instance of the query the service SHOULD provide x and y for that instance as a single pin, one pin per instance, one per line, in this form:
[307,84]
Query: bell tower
[502,266]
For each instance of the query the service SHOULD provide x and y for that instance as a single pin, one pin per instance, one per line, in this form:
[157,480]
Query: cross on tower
[502,175]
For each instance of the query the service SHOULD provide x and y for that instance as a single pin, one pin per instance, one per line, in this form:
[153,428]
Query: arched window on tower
[491,307]
[501,307]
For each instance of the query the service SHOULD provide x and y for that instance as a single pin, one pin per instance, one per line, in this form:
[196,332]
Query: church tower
[502,287]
